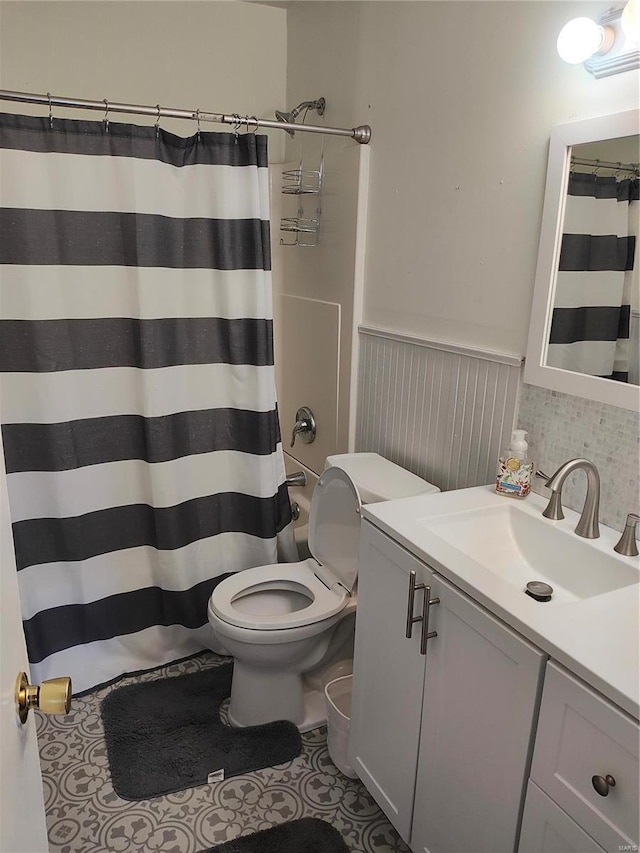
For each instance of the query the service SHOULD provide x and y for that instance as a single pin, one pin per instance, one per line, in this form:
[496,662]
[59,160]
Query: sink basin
[519,546]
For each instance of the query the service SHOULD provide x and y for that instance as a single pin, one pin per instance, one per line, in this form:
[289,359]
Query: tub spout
[298,478]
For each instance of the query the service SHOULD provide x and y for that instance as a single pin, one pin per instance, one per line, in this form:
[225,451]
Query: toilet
[278,621]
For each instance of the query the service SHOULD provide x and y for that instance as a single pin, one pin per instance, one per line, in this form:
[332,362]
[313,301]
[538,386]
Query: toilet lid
[230,596]
[334,528]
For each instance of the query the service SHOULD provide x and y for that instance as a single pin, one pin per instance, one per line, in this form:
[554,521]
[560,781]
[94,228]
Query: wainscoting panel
[441,411]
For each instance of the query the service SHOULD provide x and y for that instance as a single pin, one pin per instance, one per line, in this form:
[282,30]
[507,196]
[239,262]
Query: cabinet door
[388,677]
[547,829]
[481,695]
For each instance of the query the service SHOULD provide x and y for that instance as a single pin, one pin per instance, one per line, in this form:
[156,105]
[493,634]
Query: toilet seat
[275,596]
[295,577]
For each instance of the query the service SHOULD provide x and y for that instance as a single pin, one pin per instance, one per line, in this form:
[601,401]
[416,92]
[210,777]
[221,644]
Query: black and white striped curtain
[596,277]
[139,414]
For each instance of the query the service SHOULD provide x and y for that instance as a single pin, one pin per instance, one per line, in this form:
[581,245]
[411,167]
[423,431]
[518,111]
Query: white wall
[461,97]
[316,307]
[224,57]
[321,287]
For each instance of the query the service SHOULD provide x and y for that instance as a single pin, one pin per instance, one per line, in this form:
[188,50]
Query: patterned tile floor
[84,815]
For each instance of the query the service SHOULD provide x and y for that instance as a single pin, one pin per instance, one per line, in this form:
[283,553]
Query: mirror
[587,280]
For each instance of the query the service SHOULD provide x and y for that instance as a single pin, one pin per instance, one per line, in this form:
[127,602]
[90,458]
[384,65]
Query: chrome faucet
[588,524]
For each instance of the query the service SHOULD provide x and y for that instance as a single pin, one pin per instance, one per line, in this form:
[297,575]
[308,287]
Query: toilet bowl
[278,621]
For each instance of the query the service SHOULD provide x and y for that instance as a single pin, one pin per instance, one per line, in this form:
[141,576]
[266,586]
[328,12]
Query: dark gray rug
[164,736]
[307,835]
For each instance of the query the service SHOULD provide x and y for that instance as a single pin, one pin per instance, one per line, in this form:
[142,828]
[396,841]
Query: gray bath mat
[164,736]
[307,835]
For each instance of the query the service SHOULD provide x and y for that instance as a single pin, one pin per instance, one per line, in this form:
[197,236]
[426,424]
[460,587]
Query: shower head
[290,118]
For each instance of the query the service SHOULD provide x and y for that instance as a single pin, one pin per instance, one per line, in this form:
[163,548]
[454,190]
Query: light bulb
[630,20]
[580,39]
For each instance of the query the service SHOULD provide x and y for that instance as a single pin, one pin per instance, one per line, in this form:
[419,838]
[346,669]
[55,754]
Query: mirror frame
[536,371]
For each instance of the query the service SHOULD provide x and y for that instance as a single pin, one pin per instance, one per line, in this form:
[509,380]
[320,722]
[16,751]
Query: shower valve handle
[305,426]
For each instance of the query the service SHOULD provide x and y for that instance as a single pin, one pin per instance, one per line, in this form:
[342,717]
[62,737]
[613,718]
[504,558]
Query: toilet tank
[378,479]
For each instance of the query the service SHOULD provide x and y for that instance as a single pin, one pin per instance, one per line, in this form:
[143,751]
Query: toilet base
[315,712]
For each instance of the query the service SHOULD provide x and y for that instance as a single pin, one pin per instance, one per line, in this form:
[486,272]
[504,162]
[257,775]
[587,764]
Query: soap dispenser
[514,469]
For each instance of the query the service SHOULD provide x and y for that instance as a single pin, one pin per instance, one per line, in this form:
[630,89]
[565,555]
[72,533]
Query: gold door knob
[50,697]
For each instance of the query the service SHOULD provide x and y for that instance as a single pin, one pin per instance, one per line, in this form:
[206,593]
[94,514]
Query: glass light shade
[579,39]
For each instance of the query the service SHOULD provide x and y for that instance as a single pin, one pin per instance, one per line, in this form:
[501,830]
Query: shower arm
[361,134]
[318,106]
[289,118]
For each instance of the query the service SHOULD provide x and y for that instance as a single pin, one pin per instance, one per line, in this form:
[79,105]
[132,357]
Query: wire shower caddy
[303,182]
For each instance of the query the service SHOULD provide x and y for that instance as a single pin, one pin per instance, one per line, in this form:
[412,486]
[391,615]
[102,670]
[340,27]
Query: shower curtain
[596,278]
[138,399]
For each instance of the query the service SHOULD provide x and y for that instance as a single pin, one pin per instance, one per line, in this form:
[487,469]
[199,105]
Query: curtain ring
[158,121]
[198,125]
[106,114]
[248,120]
[237,124]
[50,111]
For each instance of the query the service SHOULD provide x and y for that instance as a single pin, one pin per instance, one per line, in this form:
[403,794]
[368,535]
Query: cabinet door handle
[602,784]
[426,633]
[424,618]
[411,619]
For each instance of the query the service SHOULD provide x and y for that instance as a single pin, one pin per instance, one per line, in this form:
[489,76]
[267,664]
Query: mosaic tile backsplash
[562,427]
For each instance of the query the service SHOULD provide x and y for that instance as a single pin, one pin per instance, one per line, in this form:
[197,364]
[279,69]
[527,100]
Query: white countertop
[596,638]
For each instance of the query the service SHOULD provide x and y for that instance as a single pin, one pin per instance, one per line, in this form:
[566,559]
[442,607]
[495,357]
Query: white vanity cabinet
[441,740]
[581,737]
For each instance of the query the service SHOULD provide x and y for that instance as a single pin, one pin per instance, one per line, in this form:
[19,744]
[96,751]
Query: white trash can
[338,697]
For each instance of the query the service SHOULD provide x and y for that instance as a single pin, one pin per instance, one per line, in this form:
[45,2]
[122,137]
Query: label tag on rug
[216,776]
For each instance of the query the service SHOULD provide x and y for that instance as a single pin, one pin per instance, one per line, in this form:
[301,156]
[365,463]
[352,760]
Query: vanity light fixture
[607,47]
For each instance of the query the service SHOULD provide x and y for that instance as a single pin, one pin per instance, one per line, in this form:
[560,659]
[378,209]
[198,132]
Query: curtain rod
[361,134]
[605,164]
